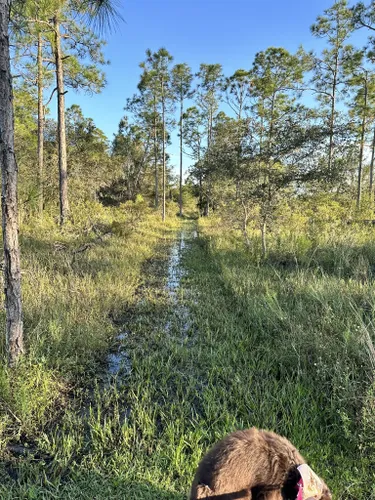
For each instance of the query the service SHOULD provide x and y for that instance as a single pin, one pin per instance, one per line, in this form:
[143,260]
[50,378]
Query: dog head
[303,484]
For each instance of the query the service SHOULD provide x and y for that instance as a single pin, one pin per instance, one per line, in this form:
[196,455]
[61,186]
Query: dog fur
[250,465]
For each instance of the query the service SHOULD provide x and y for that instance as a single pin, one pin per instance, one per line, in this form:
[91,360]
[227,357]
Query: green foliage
[303,337]
[90,164]
[280,344]
[181,81]
[132,147]
[285,340]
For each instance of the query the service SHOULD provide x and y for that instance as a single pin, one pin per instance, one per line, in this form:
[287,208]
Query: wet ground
[178,318]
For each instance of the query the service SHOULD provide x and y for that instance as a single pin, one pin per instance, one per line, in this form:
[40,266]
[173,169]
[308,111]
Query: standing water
[179,322]
[175,269]
[118,362]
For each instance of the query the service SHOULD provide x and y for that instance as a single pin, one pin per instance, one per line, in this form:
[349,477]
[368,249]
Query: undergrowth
[283,343]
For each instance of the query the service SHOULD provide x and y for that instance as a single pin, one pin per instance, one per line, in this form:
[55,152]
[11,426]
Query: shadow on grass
[341,261]
[100,489]
[89,486]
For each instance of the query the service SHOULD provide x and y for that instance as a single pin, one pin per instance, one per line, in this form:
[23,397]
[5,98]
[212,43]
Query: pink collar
[300,490]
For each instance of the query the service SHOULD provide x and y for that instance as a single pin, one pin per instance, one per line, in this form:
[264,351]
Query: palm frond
[103,15]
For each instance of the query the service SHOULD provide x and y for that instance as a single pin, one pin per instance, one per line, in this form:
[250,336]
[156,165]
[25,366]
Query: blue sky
[195,31]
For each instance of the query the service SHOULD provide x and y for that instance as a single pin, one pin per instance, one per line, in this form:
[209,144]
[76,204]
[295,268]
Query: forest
[208,268]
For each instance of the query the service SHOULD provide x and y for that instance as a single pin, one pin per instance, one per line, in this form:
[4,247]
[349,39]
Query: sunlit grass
[283,344]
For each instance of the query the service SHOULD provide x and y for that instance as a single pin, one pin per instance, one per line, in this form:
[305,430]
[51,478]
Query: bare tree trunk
[156,160]
[61,132]
[200,198]
[181,131]
[263,230]
[332,115]
[9,172]
[362,142]
[244,226]
[164,168]
[209,141]
[371,187]
[331,125]
[40,122]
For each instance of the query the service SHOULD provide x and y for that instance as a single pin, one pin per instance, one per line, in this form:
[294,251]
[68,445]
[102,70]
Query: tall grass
[284,343]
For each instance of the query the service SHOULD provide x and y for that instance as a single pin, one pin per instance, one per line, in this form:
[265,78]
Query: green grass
[281,344]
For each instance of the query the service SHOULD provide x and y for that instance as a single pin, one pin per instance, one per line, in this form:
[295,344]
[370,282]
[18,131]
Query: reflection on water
[180,311]
[118,362]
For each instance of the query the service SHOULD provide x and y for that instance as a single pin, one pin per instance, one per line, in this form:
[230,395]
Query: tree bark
[245,222]
[200,198]
[156,159]
[164,168]
[9,173]
[61,132]
[181,131]
[362,142]
[333,109]
[209,140]
[40,124]
[371,186]
[264,238]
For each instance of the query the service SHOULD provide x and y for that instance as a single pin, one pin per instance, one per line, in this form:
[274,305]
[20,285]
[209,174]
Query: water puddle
[175,270]
[180,320]
[118,362]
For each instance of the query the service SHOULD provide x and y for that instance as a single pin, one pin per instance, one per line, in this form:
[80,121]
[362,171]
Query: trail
[119,364]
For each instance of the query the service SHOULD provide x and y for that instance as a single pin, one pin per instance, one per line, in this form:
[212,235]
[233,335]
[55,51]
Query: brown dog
[251,465]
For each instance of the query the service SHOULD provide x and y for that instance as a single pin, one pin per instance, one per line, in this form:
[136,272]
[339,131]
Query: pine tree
[276,77]
[208,96]
[31,30]
[65,26]
[181,85]
[9,174]
[335,26]
[156,79]
[194,134]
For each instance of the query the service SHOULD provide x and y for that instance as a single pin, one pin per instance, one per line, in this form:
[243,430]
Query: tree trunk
[244,226]
[362,142]
[40,123]
[332,115]
[263,230]
[61,132]
[156,160]
[371,187]
[181,131]
[200,199]
[209,140]
[9,172]
[164,168]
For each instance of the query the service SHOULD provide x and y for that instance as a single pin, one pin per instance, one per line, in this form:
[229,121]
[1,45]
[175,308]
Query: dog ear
[203,491]
[289,489]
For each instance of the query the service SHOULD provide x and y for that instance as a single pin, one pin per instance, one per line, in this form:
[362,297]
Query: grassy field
[234,341]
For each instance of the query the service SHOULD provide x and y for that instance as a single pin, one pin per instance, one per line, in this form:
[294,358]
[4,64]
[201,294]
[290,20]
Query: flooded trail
[175,269]
[119,361]
[177,322]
